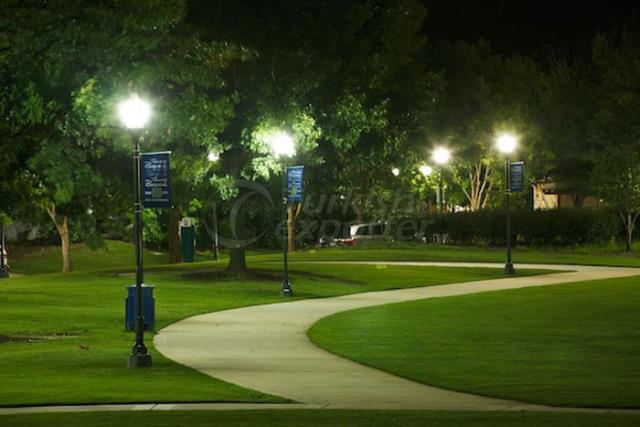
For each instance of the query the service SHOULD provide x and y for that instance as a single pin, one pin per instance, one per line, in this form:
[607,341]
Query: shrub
[558,227]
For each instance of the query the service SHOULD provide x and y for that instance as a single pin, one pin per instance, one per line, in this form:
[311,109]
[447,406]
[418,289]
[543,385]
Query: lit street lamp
[441,156]
[283,146]
[134,114]
[395,171]
[214,157]
[425,170]
[507,144]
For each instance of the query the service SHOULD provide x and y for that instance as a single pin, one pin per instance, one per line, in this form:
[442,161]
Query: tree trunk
[65,238]
[292,213]
[291,229]
[629,219]
[237,263]
[479,186]
[174,240]
[66,244]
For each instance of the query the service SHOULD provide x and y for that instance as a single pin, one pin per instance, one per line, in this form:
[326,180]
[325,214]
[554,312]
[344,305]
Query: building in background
[547,196]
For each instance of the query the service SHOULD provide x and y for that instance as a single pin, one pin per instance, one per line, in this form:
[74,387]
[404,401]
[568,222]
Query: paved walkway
[186,406]
[266,347]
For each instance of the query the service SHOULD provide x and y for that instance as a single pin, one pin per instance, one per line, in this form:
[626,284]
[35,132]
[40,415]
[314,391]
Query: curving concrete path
[266,347]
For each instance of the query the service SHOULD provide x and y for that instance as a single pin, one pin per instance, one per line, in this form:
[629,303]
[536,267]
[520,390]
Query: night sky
[523,26]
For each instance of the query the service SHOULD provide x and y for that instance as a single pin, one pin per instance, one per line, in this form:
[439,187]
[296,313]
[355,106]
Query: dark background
[524,26]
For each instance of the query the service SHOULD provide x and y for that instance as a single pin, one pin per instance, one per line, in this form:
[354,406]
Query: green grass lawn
[68,345]
[284,418]
[119,255]
[48,259]
[434,252]
[574,345]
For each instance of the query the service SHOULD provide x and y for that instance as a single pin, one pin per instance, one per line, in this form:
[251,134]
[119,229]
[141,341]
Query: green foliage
[153,232]
[616,125]
[304,132]
[485,94]
[589,119]
[60,93]
[343,79]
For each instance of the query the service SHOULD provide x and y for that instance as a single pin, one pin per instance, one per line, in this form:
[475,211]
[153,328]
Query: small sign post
[156,180]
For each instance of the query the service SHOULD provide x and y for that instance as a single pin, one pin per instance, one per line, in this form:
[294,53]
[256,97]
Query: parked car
[362,233]
[356,234]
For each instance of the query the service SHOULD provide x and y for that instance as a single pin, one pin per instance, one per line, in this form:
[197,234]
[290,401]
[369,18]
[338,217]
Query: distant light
[441,155]
[213,156]
[282,144]
[134,112]
[507,143]
[426,170]
[90,211]
[395,171]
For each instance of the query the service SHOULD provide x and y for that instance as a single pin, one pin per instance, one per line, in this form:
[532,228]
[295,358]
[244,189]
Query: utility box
[187,239]
[148,308]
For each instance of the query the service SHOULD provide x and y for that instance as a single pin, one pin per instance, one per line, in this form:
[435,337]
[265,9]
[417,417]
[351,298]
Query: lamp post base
[286,289]
[139,357]
[508,269]
[139,361]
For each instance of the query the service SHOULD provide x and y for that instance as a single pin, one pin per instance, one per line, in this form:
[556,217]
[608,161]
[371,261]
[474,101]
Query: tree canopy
[356,85]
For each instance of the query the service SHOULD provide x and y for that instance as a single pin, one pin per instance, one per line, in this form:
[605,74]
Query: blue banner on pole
[516,177]
[295,184]
[156,180]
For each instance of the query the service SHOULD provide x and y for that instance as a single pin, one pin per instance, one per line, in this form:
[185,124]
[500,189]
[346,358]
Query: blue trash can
[148,308]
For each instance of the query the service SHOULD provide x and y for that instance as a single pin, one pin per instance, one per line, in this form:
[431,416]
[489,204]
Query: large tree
[484,94]
[66,82]
[615,126]
[338,75]
[565,111]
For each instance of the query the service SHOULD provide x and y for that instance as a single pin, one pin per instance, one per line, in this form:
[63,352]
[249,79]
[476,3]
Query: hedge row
[558,227]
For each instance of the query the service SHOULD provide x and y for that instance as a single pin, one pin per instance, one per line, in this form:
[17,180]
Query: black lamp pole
[508,267]
[440,191]
[139,357]
[286,286]
[216,250]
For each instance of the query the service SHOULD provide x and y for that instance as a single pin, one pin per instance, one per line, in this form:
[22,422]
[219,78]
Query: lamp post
[441,156]
[506,144]
[214,157]
[283,146]
[134,114]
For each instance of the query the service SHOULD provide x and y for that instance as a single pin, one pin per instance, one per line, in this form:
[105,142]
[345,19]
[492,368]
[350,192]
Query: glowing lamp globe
[441,155]
[507,143]
[282,144]
[213,156]
[134,112]
[426,170]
